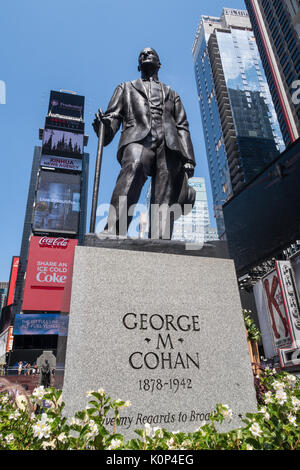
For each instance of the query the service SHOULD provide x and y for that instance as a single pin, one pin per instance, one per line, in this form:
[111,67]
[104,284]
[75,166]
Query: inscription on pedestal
[163,331]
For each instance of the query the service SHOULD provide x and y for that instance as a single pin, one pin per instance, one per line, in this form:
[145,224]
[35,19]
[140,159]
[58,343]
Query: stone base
[162,330]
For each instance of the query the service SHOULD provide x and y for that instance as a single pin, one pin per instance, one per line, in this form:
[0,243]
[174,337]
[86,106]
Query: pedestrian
[20,367]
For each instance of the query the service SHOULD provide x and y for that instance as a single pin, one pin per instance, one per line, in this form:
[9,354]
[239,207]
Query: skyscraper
[195,227]
[241,130]
[276,25]
[3,294]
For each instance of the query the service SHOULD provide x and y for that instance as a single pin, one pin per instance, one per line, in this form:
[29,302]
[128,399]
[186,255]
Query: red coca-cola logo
[54,242]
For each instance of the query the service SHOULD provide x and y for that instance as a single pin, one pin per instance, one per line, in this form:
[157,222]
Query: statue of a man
[45,378]
[155,141]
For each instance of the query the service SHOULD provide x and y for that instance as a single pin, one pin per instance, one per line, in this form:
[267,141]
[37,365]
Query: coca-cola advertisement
[49,274]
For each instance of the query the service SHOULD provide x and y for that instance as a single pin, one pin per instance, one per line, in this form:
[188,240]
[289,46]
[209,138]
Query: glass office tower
[241,130]
[276,25]
[195,227]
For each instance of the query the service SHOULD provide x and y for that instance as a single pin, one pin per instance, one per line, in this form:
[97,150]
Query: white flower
[263,410]
[89,393]
[148,429]
[101,391]
[291,379]
[47,444]
[292,420]
[278,385]
[94,428]
[127,403]
[115,443]
[268,397]
[41,428]
[62,437]
[14,416]
[226,412]
[9,438]
[75,421]
[39,392]
[170,442]
[255,430]
[295,403]
[281,397]
[248,447]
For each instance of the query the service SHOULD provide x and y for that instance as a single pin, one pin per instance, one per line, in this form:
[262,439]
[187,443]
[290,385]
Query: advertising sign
[279,314]
[57,207]
[44,324]
[58,142]
[3,342]
[291,301]
[64,124]
[13,279]
[49,274]
[66,104]
[276,311]
[63,163]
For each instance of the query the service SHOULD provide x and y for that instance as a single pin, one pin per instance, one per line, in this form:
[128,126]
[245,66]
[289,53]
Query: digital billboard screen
[66,104]
[263,218]
[57,206]
[64,124]
[64,143]
[43,324]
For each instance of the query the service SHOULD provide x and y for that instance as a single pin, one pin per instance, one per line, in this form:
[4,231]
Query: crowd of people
[23,368]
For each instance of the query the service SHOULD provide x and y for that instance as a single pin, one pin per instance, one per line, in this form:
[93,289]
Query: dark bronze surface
[155,141]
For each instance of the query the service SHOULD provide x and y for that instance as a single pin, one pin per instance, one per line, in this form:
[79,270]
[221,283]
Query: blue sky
[89,47]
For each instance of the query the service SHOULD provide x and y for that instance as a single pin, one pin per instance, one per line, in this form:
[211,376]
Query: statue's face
[148,58]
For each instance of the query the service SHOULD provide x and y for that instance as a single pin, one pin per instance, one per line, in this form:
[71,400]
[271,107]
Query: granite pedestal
[160,326]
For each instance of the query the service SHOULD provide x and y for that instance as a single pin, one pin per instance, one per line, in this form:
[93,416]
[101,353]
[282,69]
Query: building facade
[55,221]
[3,294]
[276,25]
[195,227]
[240,125]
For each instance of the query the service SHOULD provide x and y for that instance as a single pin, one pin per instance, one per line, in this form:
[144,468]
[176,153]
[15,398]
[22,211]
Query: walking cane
[97,175]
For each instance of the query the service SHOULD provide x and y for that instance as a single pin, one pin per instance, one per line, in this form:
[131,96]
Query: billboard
[64,143]
[277,305]
[43,324]
[57,206]
[66,104]
[276,310]
[3,343]
[63,163]
[64,124]
[49,274]
[13,279]
[263,218]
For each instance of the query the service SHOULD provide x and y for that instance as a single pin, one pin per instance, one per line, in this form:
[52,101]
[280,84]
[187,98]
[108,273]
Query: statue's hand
[98,118]
[189,169]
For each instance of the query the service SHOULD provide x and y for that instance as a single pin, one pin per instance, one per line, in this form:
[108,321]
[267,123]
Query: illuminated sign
[49,274]
[57,207]
[64,143]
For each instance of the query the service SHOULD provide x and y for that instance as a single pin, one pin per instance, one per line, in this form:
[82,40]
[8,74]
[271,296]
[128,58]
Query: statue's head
[149,59]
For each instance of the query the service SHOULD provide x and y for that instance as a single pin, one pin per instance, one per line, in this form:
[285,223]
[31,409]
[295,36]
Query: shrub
[37,422]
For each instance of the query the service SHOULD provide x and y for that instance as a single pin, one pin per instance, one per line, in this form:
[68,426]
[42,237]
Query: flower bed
[36,422]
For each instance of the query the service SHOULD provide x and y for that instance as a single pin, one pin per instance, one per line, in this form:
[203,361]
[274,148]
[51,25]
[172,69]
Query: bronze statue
[155,141]
[45,378]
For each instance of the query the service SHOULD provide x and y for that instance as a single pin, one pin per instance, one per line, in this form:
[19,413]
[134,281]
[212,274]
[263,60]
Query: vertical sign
[290,357]
[277,317]
[13,279]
